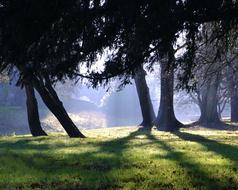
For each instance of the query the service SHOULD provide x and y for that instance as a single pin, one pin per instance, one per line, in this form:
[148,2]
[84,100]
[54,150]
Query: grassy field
[121,158]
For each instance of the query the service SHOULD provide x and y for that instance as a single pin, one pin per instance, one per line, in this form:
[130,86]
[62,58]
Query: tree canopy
[54,38]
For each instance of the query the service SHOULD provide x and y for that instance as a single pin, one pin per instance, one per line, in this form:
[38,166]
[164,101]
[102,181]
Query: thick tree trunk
[51,100]
[166,119]
[146,106]
[209,101]
[233,98]
[234,107]
[231,77]
[32,112]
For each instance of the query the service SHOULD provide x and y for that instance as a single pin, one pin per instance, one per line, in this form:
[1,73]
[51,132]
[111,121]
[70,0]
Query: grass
[121,158]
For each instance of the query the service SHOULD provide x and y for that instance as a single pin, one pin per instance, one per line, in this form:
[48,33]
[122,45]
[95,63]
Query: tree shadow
[228,151]
[28,154]
[195,173]
[98,162]
[222,126]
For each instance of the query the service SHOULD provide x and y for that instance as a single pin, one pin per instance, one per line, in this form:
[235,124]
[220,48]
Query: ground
[121,158]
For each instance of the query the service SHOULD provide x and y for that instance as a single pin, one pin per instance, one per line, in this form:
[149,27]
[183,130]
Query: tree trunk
[51,100]
[232,82]
[32,112]
[209,101]
[146,106]
[234,107]
[166,120]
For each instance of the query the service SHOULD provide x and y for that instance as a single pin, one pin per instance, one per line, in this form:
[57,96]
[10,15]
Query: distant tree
[223,95]
[213,59]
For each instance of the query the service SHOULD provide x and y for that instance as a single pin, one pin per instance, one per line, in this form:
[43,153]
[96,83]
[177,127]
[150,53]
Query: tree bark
[233,98]
[146,106]
[32,112]
[234,107]
[51,100]
[208,102]
[232,84]
[166,120]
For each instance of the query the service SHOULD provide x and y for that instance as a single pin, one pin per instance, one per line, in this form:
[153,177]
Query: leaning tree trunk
[166,120]
[51,100]
[146,106]
[32,112]
[209,101]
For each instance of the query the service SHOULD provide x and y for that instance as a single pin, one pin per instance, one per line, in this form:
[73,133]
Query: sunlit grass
[121,158]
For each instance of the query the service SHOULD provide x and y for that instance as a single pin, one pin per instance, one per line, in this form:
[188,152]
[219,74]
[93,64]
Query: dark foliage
[54,38]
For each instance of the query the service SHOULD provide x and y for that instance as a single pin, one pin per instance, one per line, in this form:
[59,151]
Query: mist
[91,108]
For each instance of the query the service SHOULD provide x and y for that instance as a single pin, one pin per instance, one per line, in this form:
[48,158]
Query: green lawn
[121,158]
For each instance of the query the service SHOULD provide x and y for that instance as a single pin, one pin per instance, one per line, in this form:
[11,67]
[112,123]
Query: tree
[16,54]
[223,97]
[208,101]
[32,111]
[52,101]
[230,91]
[207,76]
[166,119]
[214,57]
[72,32]
[66,33]
[233,93]
[31,104]
[143,92]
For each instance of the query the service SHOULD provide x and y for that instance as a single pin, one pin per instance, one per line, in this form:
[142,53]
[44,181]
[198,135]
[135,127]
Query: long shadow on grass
[221,126]
[228,151]
[91,164]
[30,143]
[193,171]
